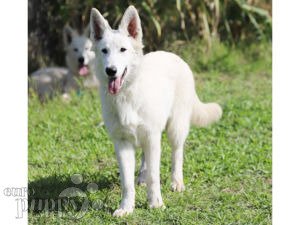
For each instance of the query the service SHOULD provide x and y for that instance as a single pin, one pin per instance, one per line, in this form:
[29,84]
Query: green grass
[227,170]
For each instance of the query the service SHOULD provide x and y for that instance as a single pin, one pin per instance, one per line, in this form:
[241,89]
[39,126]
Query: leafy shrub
[163,22]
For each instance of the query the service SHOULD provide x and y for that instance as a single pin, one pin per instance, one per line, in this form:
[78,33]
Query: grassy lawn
[227,166]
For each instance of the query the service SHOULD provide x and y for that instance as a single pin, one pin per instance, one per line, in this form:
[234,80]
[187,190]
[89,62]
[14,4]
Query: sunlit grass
[227,166]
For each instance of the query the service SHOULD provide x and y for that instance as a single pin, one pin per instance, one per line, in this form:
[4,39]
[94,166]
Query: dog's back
[165,87]
[48,81]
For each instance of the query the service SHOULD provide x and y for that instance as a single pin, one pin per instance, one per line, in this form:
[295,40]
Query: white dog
[79,55]
[79,60]
[141,95]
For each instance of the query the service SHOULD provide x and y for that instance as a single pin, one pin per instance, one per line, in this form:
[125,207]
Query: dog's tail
[205,114]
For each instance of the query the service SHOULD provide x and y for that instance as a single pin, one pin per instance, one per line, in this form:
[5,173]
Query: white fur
[158,93]
[48,80]
[79,45]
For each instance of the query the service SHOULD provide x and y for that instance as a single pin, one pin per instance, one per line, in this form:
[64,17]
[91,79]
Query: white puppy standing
[141,95]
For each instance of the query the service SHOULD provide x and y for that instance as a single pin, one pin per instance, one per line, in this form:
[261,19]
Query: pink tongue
[83,71]
[114,85]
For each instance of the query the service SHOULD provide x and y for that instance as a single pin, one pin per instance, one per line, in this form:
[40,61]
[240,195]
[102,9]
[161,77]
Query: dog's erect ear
[97,25]
[68,34]
[131,23]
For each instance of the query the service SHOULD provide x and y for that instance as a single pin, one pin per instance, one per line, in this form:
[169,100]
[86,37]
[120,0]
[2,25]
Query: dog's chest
[123,119]
[127,115]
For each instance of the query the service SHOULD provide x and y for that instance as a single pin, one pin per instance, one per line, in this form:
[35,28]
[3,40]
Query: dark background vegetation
[164,22]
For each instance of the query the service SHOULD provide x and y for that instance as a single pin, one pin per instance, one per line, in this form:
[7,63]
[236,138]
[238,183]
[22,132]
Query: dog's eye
[123,49]
[104,50]
[75,49]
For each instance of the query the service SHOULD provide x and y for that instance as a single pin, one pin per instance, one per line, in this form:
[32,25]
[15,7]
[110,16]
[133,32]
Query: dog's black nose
[111,71]
[81,60]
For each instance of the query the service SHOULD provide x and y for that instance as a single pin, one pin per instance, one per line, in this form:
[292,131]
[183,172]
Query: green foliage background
[163,22]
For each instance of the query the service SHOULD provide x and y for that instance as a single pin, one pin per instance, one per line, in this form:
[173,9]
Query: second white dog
[141,95]
[79,59]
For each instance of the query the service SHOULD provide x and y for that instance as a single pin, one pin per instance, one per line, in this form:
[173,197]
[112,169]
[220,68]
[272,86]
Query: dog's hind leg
[177,130]
[143,172]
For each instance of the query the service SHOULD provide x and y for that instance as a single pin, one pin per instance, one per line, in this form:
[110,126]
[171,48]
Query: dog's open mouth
[83,70]
[115,83]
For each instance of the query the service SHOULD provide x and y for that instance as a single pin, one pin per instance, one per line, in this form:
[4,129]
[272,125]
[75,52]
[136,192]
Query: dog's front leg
[152,151]
[126,158]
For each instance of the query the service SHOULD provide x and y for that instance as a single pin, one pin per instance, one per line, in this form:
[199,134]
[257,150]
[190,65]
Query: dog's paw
[122,212]
[156,206]
[101,124]
[66,97]
[156,203]
[177,186]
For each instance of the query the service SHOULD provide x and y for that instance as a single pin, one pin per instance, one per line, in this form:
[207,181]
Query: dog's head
[117,51]
[78,50]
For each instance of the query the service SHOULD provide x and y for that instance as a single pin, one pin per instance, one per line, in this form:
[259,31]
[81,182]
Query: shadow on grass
[56,193]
